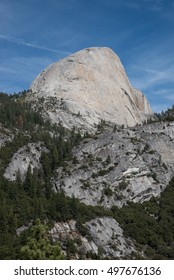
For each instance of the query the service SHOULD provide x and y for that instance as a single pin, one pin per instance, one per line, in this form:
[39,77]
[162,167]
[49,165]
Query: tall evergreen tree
[39,246]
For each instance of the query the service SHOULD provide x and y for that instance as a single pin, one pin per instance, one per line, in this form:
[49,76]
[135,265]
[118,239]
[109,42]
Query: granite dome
[90,85]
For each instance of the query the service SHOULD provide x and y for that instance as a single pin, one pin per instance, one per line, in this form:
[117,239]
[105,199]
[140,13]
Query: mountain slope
[119,166]
[106,194]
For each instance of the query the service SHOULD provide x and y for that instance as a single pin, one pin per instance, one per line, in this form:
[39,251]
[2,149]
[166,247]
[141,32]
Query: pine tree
[39,245]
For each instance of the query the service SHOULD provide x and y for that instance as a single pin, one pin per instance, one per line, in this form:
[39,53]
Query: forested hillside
[30,201]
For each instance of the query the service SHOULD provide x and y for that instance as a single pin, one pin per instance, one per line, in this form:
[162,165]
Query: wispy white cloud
[6,69]
[152,67]
[19,41]
[69,41]
[20,72]
[170,96]
[158,108]
[145,78]
[161,98]
[151,70]
[167,92]
[119,3]
[155,5]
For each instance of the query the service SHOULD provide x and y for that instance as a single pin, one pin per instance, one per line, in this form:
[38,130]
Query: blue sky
[36,33]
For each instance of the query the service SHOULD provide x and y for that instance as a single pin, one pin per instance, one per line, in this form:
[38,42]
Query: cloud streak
[147,77]
[19,41]
[154,5]
[19,72]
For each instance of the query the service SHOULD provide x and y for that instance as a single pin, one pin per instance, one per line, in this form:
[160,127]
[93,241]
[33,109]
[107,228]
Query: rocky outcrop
[26,156]
[116,167]
[86,87]
[106,238]
[5,137]
[109,237]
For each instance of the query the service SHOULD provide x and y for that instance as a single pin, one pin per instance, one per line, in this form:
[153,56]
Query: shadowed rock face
[88,86]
